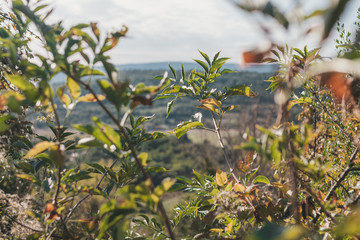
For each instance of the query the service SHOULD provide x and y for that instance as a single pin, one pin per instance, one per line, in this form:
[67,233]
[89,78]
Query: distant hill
[258,68]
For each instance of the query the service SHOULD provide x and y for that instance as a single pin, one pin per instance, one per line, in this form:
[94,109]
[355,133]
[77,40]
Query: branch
[342,175]
[131,147]
[321,206]
[227,159]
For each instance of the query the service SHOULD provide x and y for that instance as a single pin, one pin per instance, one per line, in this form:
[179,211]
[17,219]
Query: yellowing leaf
[143,158]
[218,230]
[74,88]
[209,107]
[29,177]
[212,101]
[38,148]
[239,188]
[221,178]
[91,98]
[162,188]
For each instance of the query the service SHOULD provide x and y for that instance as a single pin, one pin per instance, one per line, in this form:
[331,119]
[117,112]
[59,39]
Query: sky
[174,30]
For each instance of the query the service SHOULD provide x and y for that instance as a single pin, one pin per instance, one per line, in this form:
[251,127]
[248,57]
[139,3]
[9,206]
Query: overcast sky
[173,30]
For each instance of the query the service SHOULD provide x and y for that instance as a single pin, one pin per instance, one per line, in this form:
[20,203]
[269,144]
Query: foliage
[310,190]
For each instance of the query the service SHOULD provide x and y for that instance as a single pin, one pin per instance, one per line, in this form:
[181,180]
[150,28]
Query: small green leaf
[173,71]
[203,65]
[29,177]
[185,127]
[169,107]
[199,178]
[261,179]
[97,166]
[206,57]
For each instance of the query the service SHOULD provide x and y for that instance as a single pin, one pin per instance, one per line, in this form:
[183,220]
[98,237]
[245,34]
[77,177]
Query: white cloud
[167,30]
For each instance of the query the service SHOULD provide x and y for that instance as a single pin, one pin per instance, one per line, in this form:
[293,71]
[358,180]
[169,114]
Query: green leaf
[97,166]
[94,131]
[199,178]
[227,71]
[251,174]
[173,71]
[215,57]
[185,127]
[29,177]
[206,57]
[261,179]
[109,91]
[184,179]
[109,132]
[169,107]
[4,126]
[203,65]
[183,72]
[78,176]
[28,89]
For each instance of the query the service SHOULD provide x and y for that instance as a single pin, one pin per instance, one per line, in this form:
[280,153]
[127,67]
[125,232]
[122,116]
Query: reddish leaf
[254,56]
[338,83]
[243,166]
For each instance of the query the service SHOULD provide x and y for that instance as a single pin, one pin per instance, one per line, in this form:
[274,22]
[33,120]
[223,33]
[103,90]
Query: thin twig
[21,224]
[342,175]
[227,159]
[341,185]
[88,195]
[331,117]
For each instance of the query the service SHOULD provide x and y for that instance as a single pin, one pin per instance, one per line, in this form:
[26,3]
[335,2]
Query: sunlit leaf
[143,158]
[238,187]
[29,177]
[38,148]
[185,127]
[261,179]
[91,98]
[221,178]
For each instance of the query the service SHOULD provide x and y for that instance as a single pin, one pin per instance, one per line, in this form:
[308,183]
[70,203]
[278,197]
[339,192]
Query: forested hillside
[184,109]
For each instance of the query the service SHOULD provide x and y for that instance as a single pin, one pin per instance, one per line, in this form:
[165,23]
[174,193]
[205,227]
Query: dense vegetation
[106,173]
